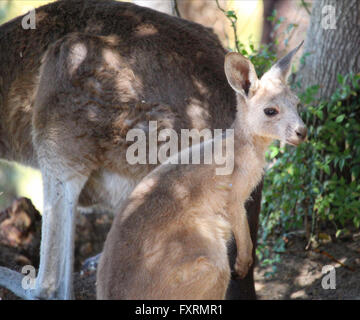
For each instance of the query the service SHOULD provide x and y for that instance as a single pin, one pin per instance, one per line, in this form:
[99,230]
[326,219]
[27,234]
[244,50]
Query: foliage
[318,179]
[262,58]
[232,17]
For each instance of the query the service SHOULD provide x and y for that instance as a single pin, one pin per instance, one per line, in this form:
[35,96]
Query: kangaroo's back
[179,63]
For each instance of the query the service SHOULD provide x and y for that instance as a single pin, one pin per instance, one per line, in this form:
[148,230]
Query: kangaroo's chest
[249,171]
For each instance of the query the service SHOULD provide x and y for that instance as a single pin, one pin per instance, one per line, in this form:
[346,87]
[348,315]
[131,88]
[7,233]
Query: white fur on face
[273,93]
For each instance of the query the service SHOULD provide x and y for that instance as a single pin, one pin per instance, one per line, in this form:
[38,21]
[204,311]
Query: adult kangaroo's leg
[240,289]
[61,194]
[67,153]
[54,280]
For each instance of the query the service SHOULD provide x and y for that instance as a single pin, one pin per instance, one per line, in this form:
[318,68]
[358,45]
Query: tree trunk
[293,13]
[334,46]
[269,6]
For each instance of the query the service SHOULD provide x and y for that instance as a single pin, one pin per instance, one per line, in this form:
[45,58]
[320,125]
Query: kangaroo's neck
[245,140]
[249,156]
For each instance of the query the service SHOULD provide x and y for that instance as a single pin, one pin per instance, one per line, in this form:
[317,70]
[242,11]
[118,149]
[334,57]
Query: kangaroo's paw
[243,264]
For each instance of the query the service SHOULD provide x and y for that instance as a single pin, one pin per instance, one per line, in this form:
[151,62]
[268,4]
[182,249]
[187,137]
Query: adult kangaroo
[72,88]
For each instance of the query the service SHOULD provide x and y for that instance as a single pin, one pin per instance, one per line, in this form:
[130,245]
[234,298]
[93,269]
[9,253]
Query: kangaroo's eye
[270,112]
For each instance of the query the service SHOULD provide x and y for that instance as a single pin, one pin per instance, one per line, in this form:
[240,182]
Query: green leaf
[274,152]
[340,118]
[341,163]
[327,169]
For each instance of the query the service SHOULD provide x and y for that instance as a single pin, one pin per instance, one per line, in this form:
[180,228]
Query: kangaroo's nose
[301,132]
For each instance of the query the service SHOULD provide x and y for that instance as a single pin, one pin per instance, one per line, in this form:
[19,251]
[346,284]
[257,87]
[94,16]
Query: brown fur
[139,65]
[170,240]
[184,52]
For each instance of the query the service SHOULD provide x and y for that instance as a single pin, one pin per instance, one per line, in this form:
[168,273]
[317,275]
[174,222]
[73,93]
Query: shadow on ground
[299,274]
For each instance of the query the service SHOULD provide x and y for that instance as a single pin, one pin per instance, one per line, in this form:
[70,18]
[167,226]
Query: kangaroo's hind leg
[200,279]
[62,186]
[61,194]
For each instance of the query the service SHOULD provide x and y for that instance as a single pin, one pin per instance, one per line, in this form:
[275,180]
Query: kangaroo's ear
[241,74]
[280,70]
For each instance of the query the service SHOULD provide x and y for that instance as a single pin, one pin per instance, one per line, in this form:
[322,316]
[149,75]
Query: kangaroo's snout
[297,136]
[301,132]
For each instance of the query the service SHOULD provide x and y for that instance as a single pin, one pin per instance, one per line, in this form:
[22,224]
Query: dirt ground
[299,274]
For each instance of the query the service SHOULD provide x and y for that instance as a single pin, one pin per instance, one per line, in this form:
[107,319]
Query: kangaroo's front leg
[241,230]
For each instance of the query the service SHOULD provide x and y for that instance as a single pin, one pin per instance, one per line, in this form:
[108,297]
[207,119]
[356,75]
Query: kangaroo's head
[267,107]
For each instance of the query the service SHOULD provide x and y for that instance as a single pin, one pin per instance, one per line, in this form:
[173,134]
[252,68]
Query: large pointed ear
[240,74]
[280,70]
